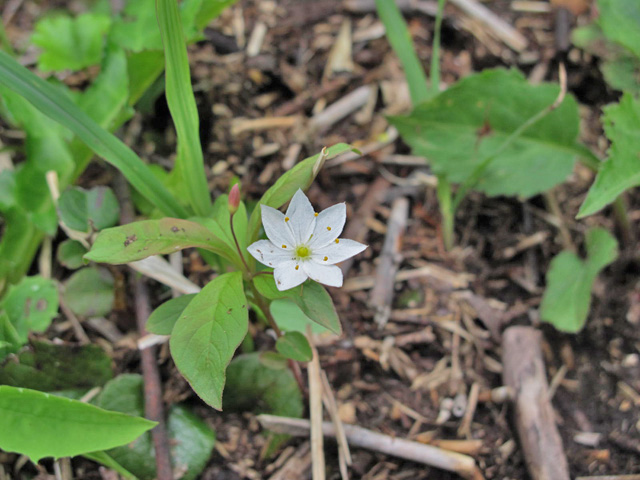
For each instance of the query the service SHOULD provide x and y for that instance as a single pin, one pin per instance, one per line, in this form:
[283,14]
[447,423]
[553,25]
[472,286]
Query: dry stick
[524,372]
[463,465]
[153,406]
[340,109]
[390,257]
[329,400]
[315,411]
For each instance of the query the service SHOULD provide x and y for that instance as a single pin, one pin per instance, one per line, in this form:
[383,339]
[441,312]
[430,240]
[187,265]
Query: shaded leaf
[207,334]
[31,423]
[83,210]
[50,368]
[620,22]
[622,169]
[566,299]
[90,292]
[162,319]
[70,254]
[192,440]
[468,123]
[31,305]
[295,346]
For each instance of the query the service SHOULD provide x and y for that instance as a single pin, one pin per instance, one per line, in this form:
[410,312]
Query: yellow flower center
[303,252]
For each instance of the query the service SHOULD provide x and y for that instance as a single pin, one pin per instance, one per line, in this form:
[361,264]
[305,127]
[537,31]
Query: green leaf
[70,254]
[468,123]
[90,292]
[70,43]
[300,176]
[290,318]
[400,39]
[139,240]
[163,318]
[620,22]
[31,305]
[10,341]
[566,300]
[87,210]
[182,105]
[49,101]
[254,386]
[191,439]
[106,460]
[49,367]
[7,189]
[311,297]
[207,334]
[295,346]
[621,170]
[31,423]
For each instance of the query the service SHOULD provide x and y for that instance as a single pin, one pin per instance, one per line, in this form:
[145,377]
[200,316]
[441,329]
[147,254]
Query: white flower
[304,244]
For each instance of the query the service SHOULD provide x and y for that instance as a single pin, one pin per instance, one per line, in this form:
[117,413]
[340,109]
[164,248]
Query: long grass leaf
[400,40]
[55,105]
[182,105]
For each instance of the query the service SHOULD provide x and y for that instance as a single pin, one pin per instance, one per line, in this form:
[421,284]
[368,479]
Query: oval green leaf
[207,334]
[90,292]
[163,318]
[31,423]
[295,346]
[139,240]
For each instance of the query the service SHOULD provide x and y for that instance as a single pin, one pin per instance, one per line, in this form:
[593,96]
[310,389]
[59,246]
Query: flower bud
[234,199]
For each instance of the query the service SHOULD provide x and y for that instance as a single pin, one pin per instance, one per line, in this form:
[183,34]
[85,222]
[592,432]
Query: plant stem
[235,239]
[447,211]
[262,305]
[435,51]
[622,219]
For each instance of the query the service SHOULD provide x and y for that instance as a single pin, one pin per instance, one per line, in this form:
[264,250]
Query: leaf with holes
[207,334]
[139,240]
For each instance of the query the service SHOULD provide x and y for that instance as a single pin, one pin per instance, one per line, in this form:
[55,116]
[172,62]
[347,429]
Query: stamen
[337,240]
[286,219]
[284,246]
[326,258]
[329,228]
[297,267]
[315,214]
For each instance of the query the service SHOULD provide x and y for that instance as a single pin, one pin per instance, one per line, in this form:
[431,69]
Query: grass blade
[52,103]
[182,105]
[400,40]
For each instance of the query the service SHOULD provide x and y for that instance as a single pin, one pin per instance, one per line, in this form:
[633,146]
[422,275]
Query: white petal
[276,228]
[329,224]
[300,217]
[286,275]
[269,254]
[337,252]
[327,274]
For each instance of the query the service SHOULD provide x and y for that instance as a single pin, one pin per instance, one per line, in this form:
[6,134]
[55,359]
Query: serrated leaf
[31,305]
[84,210]
[50,368]
[162,319]
[70,43]
[295,346]
[139,240]
[90,292]
[566,299]
[620,22]
[300,176]
[207,334]
[31,423]
[460,128]
[192,440]
[70,253]
[311,297]
[622,169]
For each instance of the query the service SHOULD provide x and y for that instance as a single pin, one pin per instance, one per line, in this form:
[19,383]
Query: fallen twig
[463,465]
